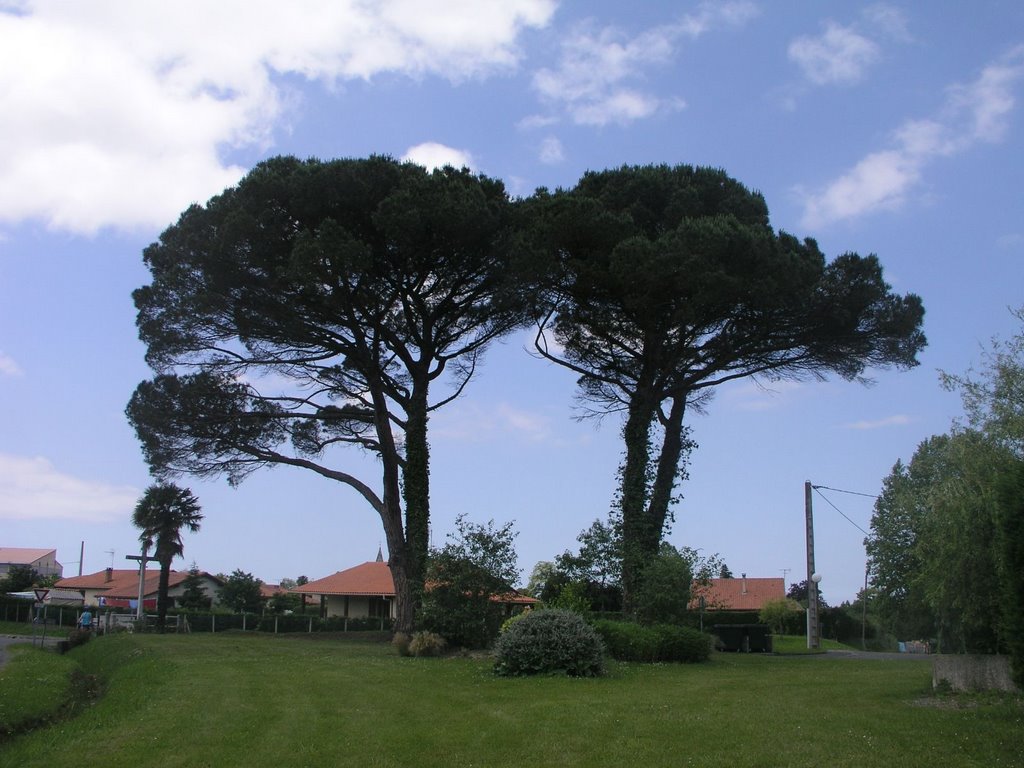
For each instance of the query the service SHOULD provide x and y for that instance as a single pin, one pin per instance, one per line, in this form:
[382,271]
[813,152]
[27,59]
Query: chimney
[109,574]
[744,583]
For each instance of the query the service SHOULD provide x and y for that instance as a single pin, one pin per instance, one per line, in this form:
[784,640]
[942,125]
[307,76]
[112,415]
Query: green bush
[550,641]
[682,644]
[427,644]
[627,641]
[514,618]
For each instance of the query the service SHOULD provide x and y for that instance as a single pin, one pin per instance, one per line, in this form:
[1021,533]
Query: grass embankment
[35,688]
[242,700]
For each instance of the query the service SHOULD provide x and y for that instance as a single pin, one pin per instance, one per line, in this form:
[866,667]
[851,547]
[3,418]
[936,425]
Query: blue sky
[887,128]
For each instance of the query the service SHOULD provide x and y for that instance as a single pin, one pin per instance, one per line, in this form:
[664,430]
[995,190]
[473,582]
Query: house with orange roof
[742,594]
[42,561]
[119,587]
[363,591]
[368,591]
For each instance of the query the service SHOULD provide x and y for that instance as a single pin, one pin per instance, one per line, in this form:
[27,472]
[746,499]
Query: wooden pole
[813,629]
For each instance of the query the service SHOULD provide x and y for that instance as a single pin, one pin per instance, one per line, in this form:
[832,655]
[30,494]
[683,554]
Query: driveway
[871,655]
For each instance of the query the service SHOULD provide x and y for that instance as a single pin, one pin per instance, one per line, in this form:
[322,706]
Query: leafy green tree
[1010,548]
[19,578]
[241,592]
[664,592]
[798,591]
[667,282]
[312,307]
[994,402]
[543,572]
[894,560]
[475,566]
[934,569]
[161,514]
[193,596]
[777,613]
[284,602]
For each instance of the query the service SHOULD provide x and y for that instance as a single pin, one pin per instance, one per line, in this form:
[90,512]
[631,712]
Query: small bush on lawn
[427,644]
[627,641]
[400,642]
[682,644]
[549,641]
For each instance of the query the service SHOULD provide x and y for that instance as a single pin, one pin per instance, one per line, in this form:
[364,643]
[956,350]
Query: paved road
[875,656]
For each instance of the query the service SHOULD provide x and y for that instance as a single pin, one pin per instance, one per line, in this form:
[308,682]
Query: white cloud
[889,421]
[432,155]
[839,55]
[592,81]
[33,489]
[888,20]
[524,423]
[551,152]
[754,395]
[117,114]
[9,366]
[476,423]
[974,112]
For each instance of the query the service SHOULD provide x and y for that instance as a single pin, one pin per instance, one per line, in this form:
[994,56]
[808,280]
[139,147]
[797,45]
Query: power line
[837,509]
[840,490]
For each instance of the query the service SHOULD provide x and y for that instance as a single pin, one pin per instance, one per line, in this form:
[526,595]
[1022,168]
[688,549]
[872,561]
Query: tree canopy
[241,592]
[666,282]
[312,306]
[476,565]
[946,549]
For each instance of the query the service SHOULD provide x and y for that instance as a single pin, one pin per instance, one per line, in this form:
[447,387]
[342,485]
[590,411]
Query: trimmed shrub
[662,642]
[427,644]
[549,641]
[682,644]
[627,641]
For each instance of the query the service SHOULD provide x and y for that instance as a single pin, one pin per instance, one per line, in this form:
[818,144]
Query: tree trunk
[667,474]
[633,493]
[416,489]
[391,516]
[161,595]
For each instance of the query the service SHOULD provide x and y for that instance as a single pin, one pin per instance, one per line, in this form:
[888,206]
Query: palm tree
[161,513]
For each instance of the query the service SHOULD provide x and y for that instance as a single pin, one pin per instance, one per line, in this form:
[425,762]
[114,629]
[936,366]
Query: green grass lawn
[24,628]
[245,700]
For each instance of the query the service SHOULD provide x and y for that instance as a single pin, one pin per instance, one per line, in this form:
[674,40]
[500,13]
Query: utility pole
[142,560]
[813,627]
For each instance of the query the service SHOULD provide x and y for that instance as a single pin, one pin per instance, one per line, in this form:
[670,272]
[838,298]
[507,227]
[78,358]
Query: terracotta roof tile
[24,555]
[743,594]
[367,579]
[375,579]
[124,583]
